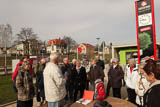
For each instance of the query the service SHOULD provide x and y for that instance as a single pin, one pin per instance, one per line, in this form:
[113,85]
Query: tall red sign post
[145,24]
[79,49]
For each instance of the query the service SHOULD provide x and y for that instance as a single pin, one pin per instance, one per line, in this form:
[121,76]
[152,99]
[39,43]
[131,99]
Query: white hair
[54,56]
[43,60]
[115,60]
[132,60]
[74,60]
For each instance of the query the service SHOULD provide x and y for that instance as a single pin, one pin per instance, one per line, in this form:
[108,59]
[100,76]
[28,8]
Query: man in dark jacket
[99,62]
[67,72]
[40,83]
[115,77]
[95,73]
[79,79]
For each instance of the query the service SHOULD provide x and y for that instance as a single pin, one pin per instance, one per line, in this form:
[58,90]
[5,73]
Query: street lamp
[98,44]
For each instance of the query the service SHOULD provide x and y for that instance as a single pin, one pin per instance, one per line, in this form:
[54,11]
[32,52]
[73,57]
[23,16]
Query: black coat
[67,71]
[40,80]
[101,64]
[152,96]
[115,76]
[95,73]
[40,84]
[79,79]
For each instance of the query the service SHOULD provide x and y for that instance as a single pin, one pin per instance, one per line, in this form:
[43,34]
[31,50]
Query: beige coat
[24,85]
[54,83]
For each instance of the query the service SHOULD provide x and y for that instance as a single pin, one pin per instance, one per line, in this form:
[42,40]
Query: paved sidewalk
[34,104]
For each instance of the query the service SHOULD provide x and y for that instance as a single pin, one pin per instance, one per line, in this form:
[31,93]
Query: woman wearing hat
[115,77]
[24,85]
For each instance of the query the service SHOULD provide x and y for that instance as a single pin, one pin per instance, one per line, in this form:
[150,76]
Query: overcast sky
[84,20]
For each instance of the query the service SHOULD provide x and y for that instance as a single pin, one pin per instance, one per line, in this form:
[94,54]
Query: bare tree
[5,34]
[5,38]
[25,35]
[70,43]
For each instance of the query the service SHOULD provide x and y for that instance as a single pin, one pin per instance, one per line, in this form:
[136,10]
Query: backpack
[99,93]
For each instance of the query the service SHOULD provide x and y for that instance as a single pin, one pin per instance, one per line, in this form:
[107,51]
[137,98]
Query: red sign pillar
[145,24]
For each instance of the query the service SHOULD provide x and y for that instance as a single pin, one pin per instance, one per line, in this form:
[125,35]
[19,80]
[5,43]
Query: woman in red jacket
[24,58]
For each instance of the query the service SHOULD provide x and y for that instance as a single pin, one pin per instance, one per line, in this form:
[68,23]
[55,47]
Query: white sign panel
[14,63]
[145,19]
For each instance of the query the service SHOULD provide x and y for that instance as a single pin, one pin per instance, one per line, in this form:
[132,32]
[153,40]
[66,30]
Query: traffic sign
[79,49]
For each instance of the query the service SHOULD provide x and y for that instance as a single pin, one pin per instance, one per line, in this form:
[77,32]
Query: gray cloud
[84,20]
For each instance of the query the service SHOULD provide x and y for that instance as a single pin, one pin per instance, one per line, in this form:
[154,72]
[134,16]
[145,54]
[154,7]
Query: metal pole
[103,52]
[98,48]
[5,58]
[16,53]
[98,45]
[77,53]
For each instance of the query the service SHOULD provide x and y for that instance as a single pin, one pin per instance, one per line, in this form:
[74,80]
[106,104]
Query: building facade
[86,48]
[56,45]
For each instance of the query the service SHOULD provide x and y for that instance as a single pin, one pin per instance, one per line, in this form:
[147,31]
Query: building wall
[122,54]
[49,49]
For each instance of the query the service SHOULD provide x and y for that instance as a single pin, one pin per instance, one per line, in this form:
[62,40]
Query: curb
[7,104]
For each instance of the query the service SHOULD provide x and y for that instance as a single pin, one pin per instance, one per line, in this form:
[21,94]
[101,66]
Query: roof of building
[87,44]
[55,41]
[128,45]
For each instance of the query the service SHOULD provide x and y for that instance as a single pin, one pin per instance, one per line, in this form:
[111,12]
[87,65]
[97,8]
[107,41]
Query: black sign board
[146,38]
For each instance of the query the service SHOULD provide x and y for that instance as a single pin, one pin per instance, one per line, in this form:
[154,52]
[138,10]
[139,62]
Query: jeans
[54,104]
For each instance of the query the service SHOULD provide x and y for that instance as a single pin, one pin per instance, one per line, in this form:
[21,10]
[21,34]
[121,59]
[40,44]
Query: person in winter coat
[99,62]
[85,63]
[106,78]
[67,72]
[95,73]
[24,58]
[115,77]
[24,85]
[54,82]
[131,74]
[40,83]
[79,79]
[152,74]
[141,86]
[73,64]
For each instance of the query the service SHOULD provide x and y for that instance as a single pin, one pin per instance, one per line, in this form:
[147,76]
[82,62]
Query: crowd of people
[56,82]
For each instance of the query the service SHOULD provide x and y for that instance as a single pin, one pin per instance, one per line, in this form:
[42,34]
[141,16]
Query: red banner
[145,23]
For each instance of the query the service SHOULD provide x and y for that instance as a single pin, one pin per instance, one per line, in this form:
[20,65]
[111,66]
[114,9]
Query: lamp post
[98,44]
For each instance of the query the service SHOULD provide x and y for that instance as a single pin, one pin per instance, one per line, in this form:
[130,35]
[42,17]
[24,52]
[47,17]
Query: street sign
[145,23]
[79,49]
[4,52]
